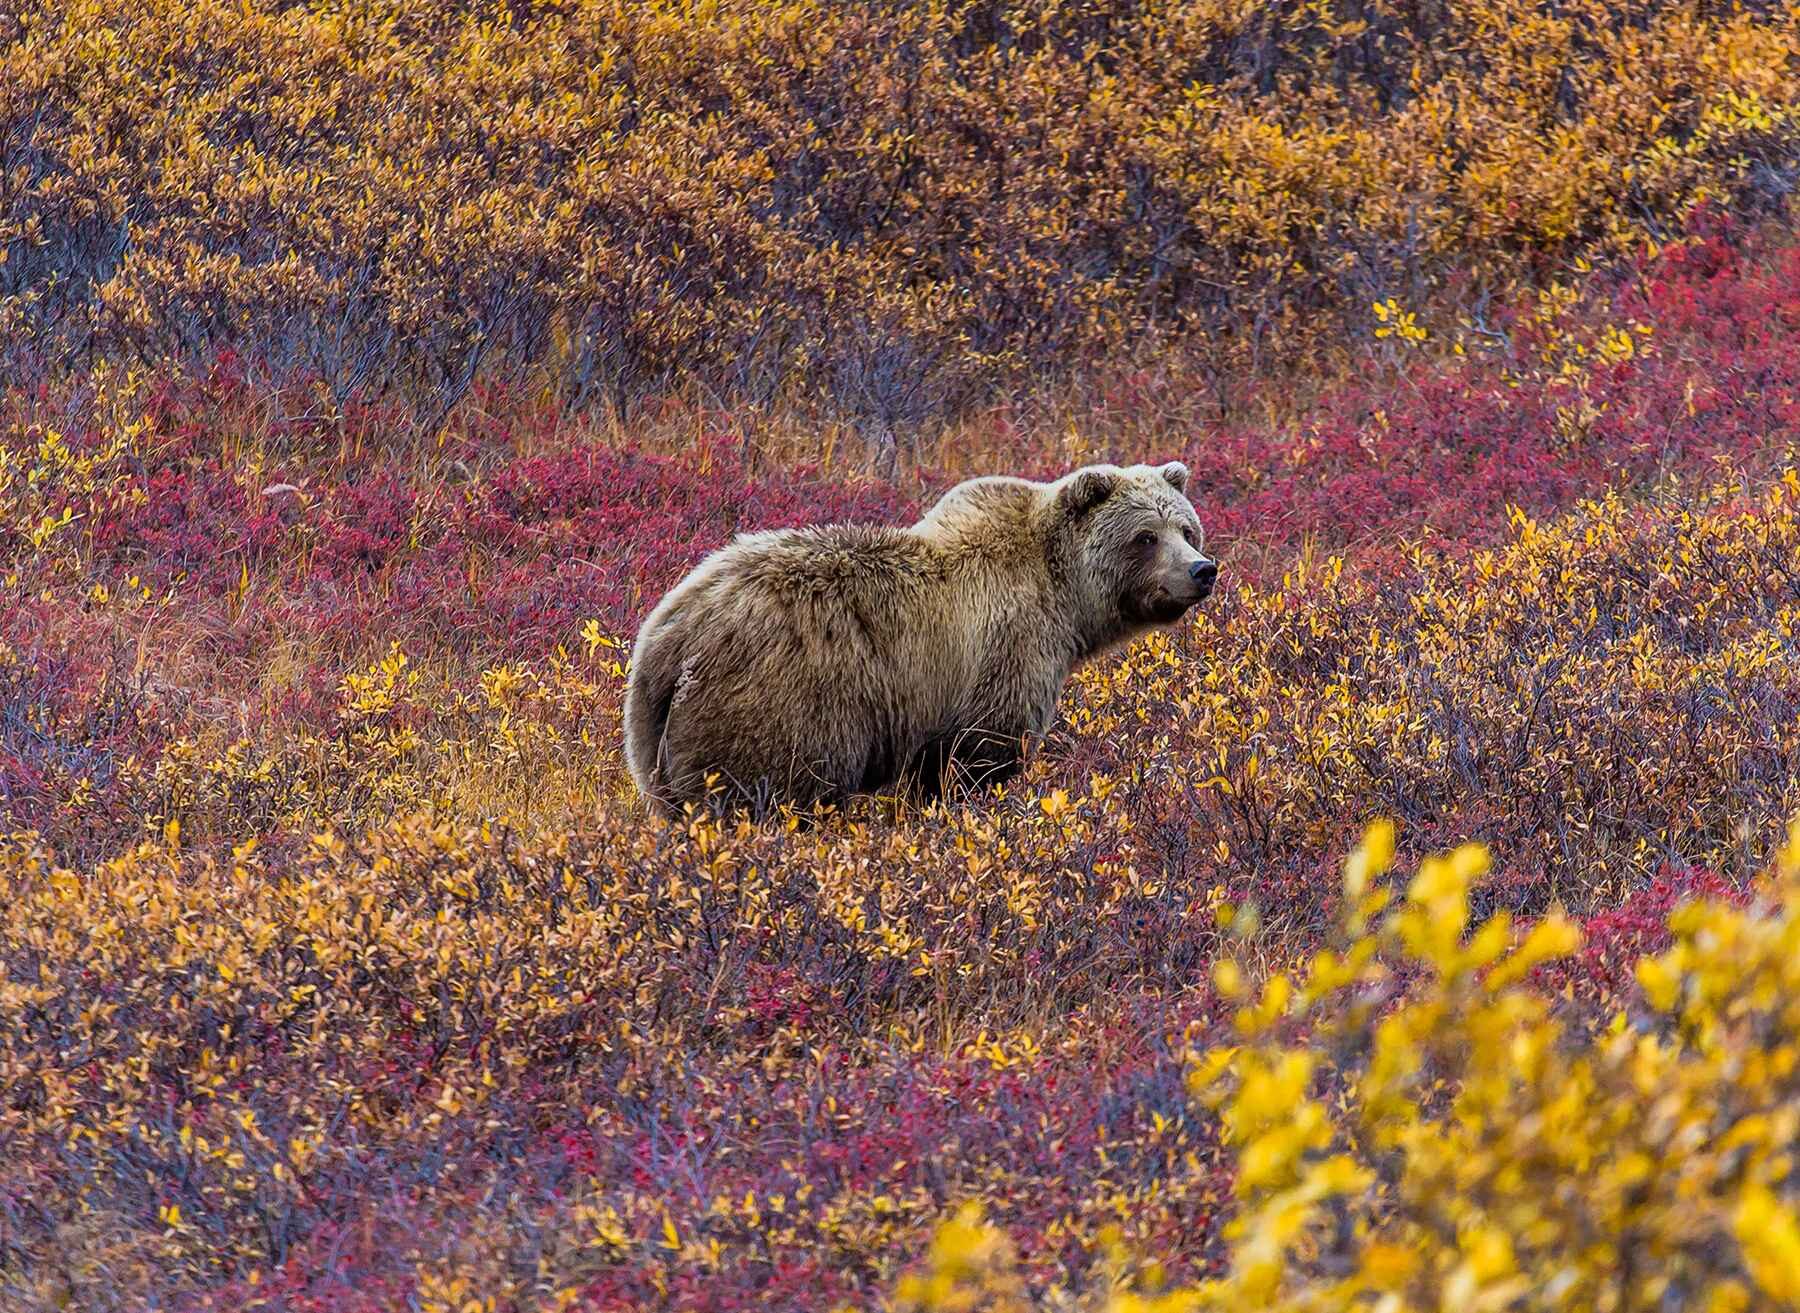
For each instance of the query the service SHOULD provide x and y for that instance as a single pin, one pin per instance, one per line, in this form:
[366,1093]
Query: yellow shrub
[1413,1126]
[882,204]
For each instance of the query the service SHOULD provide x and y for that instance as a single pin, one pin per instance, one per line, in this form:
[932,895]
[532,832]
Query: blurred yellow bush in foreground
[1414,1127]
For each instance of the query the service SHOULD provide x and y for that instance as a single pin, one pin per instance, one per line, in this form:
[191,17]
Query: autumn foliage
[1486,1155]
[876,212]
[1415,927]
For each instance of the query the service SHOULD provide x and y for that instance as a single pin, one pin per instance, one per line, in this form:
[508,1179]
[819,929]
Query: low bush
[1409,1124]
[877,212]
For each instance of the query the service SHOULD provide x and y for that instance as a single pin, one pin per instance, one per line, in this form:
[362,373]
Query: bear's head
[1128,542]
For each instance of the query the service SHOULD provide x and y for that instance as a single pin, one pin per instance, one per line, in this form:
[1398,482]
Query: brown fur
[805,665]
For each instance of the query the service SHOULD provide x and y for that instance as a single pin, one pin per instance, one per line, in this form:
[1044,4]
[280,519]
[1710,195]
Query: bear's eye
[1145,539]
[1189,535]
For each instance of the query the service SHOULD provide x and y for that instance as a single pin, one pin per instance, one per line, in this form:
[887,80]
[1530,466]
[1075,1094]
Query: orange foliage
[874,208]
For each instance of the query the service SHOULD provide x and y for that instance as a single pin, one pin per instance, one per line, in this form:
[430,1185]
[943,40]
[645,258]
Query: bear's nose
[1204,572]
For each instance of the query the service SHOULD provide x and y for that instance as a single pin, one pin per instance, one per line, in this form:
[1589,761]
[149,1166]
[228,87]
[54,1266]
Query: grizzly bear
[805,665]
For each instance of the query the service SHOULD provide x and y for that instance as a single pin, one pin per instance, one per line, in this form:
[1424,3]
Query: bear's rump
[819,684]
[771,698]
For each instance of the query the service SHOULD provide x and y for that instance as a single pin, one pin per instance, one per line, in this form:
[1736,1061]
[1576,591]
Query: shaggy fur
[805,665]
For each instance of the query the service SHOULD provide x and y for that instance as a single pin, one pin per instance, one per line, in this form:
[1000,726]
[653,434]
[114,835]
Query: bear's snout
[1204,573]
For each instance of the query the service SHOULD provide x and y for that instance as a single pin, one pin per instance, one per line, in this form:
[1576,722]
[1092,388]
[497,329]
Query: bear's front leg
[966,761]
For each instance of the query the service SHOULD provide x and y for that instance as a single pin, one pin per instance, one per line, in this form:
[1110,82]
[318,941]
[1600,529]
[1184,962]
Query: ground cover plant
[1415,926]
[872,211]
[342,970]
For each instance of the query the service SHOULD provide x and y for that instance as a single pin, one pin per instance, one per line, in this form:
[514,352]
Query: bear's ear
[1177,475]
[1085,491]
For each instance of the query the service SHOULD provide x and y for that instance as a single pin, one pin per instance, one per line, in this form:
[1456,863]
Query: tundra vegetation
[1418,926]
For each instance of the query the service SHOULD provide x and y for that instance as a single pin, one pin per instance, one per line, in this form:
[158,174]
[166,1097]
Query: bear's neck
[1088,634]
[1097,640]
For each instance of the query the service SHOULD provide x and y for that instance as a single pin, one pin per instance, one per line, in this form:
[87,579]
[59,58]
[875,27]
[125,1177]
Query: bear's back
[827,559]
